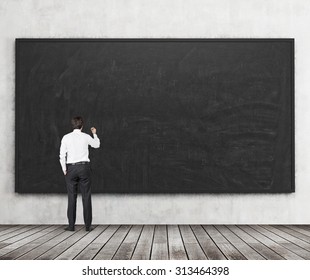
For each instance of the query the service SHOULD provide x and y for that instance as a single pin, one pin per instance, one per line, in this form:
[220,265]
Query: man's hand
[93,130]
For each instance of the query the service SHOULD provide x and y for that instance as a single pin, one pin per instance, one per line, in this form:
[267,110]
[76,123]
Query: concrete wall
[156,19]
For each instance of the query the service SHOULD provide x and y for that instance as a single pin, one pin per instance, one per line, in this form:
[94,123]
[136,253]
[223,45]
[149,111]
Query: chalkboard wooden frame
[24,185]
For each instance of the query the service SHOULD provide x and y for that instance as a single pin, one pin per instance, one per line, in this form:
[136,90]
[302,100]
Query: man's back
[74,147]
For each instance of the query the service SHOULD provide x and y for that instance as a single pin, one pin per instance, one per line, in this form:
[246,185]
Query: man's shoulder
[68,135]
[79,135]
[74,134]
[85,134]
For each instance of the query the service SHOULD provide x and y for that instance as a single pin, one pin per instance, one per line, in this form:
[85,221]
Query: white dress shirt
[74,147]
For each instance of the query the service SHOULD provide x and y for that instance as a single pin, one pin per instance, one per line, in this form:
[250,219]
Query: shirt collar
[77,130]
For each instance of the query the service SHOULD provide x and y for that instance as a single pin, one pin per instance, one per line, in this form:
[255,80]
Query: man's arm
[94,142]
[62,156]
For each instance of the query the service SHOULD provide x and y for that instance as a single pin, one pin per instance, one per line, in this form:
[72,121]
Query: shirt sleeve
[94,142]
[63,155]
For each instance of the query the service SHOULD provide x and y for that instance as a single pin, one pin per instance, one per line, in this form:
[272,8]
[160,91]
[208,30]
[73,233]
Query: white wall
[157,19]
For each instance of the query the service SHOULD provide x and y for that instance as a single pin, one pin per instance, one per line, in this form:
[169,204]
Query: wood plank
[266,252]
[290,236]
[2,227]
[63,245]
[245,249]
[160,244]
[208,246]
[76,248]
[291,242]
[7,228]
[191,244]
[283,239]
[92,249]
[279,249]
[297,232]
[15,232]
[108,251]
[175,244]
[35,241]
[21,239]
[126,249]
[224,245]
[3,244]
[299,229]
[159,251]
[59,236]
[305,227]
[144,245]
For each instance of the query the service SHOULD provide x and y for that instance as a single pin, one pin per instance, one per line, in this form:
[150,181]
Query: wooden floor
[156,242]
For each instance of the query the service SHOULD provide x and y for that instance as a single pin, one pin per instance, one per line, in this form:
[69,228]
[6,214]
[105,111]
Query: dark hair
[77,122]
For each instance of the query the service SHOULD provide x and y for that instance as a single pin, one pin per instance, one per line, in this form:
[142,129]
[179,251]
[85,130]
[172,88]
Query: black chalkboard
[173,115]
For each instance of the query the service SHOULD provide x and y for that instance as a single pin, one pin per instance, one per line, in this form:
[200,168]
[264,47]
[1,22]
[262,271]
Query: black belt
[78,163]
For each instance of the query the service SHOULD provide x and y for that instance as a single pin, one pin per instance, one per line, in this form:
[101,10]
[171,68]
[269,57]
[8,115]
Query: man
[75,166]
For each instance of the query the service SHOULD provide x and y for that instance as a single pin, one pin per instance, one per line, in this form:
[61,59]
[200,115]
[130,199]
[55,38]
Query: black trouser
[78,176]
